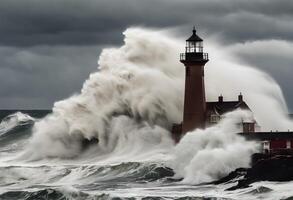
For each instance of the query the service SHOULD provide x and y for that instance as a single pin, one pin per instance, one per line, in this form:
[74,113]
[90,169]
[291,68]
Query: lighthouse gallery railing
[194,56]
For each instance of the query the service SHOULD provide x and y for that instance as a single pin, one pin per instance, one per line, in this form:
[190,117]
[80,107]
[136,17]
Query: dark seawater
[85,178]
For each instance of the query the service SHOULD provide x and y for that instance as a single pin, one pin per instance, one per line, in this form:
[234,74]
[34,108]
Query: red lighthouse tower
[194,100]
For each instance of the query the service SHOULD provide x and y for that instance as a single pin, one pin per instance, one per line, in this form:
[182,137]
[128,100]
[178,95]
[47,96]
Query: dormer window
[214,118]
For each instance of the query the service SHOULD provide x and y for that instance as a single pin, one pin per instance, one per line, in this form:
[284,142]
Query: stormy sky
[49,47]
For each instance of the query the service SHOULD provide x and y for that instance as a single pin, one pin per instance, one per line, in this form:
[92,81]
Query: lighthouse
[194,60]
[197,112]
[195,105]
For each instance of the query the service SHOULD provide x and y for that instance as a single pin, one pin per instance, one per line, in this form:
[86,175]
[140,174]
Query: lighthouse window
[198,47]
[194,47]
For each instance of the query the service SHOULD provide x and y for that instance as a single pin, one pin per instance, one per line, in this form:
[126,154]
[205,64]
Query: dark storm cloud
[48,47]
[36,77]
[73,22]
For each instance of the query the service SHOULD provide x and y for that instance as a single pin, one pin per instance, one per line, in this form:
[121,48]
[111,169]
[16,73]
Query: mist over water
[131,102]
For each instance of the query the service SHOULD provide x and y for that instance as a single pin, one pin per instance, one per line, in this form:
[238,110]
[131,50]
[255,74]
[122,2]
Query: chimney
[220,98]
[240,97]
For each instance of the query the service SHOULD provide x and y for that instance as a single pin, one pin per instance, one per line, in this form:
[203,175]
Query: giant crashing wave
[131,102]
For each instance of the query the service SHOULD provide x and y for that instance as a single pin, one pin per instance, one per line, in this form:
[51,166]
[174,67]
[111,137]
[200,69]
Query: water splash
[209,154]
[130,103]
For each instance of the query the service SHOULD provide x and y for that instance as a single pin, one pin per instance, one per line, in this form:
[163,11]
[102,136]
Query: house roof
[222,107]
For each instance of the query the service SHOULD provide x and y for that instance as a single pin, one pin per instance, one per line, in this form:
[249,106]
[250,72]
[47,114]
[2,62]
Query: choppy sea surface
[86,177]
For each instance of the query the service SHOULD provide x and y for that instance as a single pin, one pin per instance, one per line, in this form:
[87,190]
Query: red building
[272,142]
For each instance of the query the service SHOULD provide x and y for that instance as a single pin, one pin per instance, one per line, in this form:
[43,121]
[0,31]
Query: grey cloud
[70,22]
[91,22]
[48,48]
[43,74]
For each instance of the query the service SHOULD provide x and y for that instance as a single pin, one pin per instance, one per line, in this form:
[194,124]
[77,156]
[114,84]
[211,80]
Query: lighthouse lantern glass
[194,47]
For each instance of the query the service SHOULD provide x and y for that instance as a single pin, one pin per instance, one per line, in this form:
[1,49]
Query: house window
[266,146]
[214,118]
[248,127]
[288,144]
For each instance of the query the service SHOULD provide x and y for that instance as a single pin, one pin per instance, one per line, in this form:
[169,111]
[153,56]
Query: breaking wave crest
[131,102]
[15,121]
[15,130]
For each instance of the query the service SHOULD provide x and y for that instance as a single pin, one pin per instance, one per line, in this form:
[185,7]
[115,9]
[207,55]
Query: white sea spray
[136,95]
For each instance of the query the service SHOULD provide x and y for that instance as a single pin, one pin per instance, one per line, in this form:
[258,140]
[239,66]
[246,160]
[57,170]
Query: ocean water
[145,176]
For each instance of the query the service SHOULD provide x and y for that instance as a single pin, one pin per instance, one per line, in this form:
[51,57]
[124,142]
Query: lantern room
[194,50]
[194,43]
